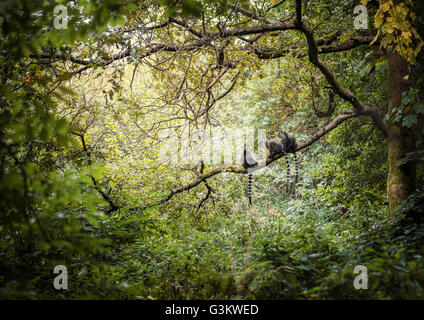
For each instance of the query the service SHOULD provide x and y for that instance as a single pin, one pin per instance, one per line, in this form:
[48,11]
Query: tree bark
[400,140]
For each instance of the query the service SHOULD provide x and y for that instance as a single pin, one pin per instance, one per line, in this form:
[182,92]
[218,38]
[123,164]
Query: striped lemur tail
[248,161]
[289,145]
[296,170]
[288,173]
[249,187]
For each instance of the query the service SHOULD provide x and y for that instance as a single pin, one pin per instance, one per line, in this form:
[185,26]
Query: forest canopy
[124,125]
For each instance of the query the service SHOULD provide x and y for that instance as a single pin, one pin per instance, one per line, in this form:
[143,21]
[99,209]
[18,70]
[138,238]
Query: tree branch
[349,44]
[113,207]
[345,94]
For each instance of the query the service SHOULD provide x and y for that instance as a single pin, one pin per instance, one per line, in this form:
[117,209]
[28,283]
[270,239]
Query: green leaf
[419,108]
[121,20]
[365,70]
[409,120]
[386,118]
[406,98]
[65,76]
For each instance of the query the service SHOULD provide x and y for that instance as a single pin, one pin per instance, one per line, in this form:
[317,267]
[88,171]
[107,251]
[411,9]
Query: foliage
[393,20]
[82,182]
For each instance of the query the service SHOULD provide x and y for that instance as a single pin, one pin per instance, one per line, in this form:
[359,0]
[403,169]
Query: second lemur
[289,144]
[277,146]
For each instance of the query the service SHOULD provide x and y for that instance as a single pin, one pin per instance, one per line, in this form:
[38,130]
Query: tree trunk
[400,140]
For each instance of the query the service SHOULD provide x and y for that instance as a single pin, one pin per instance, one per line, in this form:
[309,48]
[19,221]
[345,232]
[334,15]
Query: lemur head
[283,135]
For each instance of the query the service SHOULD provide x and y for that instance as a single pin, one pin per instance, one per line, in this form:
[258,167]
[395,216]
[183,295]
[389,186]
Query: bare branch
[113,207]
[247,13]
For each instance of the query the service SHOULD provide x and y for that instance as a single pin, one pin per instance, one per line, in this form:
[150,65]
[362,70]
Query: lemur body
[274,146]
[248,161]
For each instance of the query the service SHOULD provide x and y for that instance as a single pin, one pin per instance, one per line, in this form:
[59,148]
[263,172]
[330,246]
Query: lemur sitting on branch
[286,143]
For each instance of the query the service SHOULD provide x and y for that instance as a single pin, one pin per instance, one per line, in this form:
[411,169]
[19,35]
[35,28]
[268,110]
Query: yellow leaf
[406,34]
[387,28]
[385,7]
[378,19]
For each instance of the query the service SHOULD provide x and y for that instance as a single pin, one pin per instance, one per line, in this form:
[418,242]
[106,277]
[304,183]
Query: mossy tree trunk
[400,140]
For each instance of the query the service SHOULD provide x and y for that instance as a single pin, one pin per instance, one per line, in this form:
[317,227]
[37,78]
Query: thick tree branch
[345,94]
[327,128]
[349,44]
[324,47]
[258,29]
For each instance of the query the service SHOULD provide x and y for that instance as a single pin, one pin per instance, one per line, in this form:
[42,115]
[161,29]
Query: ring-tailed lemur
[248,161]
[286,144]
[275,147]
